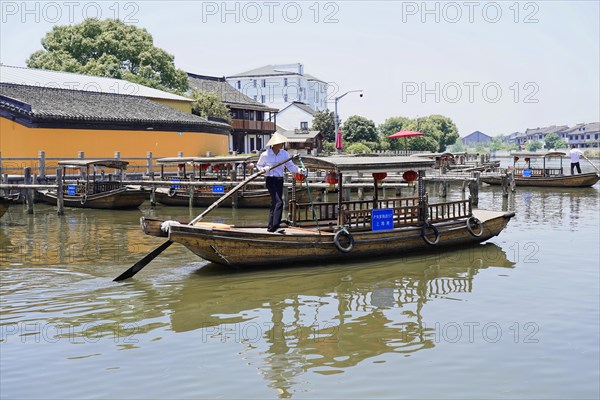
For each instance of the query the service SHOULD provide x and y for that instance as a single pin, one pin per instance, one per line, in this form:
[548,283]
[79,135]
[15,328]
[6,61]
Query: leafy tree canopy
[533,146]
[323,122]
[439,128]
[553,141]
[389,127]
[109,48]
[208,104]
[359,129]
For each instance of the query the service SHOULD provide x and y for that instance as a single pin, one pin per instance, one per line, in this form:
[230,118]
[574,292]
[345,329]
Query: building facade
[278,86]
[253,123]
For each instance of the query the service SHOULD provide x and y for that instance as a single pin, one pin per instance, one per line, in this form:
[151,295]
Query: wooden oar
[154,253]
[593,165]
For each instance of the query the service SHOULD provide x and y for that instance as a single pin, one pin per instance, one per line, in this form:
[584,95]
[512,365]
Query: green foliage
[323,121]
[209,104]
[533,146]
[357,148]
[112,49]
[438,127]
[329,147]
[359,129]
[553,141]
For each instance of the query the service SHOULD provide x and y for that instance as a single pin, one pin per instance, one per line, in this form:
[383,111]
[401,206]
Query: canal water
[516,318]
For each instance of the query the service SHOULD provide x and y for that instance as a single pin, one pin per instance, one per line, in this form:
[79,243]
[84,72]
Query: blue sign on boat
[218,189]
[175,186]
[71,190]
[526,173]
[382,219]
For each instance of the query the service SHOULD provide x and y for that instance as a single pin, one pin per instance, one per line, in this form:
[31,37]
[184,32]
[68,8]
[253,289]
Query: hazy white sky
[497,67]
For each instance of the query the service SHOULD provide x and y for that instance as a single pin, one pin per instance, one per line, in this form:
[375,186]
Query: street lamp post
[335,116]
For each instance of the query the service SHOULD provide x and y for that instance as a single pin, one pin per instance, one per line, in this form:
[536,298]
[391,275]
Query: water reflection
[326,321]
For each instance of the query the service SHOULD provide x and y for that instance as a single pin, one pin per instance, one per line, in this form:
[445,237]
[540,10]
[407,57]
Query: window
[304,126]
[264,83]
[285,82]
[254,98]
[239,84]
[262,98]
[285,98]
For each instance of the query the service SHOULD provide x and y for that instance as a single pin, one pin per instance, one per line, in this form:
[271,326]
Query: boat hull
[122,198]
[581,180]
[253,247]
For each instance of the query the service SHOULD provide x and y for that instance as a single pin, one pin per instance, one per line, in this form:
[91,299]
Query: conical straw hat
[277,138]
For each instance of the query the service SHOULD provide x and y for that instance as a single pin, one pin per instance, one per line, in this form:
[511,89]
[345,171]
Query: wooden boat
[216,172]
[344,230]
[546,176]
[94,189]
[4,202]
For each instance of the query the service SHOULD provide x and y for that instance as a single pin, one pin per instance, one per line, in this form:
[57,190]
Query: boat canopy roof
[366,163]
[206,160]
[109,163]
[547,155]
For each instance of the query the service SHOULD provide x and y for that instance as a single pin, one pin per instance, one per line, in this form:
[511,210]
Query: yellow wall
[185,106]
[20,141]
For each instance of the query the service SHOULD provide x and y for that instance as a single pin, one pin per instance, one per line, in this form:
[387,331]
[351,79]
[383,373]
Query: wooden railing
[357,214]
[253,125]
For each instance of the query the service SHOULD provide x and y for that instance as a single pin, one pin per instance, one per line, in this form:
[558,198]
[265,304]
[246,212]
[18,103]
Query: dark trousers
[573,165]
[275,188]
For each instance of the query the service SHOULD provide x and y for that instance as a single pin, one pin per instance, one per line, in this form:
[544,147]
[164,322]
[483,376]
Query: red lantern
[331,178]
[527,159]
[180,166]
[216,167]
[299,177]
[410,176]
[204,167]
[516,159]
[379,176]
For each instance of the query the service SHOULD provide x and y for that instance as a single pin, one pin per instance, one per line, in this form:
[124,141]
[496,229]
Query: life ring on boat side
[436,233]
[343,233]
[472,224]
[83,198]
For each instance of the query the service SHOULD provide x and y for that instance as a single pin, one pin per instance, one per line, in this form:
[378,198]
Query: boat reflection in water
[325,320]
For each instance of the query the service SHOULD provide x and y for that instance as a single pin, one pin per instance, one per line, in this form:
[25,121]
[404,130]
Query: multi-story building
[278,86]
[584,135]
[253,122]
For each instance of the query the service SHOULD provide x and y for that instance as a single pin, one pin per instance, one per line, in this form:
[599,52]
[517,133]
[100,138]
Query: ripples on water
[513,318]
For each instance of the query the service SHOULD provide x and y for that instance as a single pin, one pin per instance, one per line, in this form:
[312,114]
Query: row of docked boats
[200,181]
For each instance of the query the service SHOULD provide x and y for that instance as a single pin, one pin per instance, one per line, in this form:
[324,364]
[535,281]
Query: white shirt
[575,153]
[268,158]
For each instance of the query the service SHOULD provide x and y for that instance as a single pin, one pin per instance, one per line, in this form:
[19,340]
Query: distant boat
[6,201]
[544,176]
[343,230]
[96,189]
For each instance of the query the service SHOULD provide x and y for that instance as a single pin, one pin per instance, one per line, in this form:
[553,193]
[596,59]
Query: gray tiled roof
[50,107]
[304,107]
[229,95]
[271,70]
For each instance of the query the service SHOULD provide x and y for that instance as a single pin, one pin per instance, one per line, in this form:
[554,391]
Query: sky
[493,66]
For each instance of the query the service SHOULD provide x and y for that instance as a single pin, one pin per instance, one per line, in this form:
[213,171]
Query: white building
[296,116]
[278,86]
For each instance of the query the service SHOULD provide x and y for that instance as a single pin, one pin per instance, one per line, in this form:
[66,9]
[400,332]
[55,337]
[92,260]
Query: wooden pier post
[191,194]
[60,199]
[444,188]
[42,164]
[474,192]
[28,192]
[152,191]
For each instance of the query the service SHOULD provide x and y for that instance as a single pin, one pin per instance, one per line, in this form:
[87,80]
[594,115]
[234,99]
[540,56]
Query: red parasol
[405,134]
[338,140]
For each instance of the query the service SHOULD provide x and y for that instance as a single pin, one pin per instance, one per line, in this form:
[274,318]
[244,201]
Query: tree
[109,48]
[359,129]
[553,141]
[323,122]
[533,146]
[440,128]
[209,104]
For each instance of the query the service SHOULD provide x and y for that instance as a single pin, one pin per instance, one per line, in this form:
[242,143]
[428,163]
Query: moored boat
[544,176]
[95,189]
[347,229]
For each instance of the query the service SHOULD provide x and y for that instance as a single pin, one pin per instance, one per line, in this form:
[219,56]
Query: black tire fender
[424,228]
[472,224]
[336,240]
[83,198]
